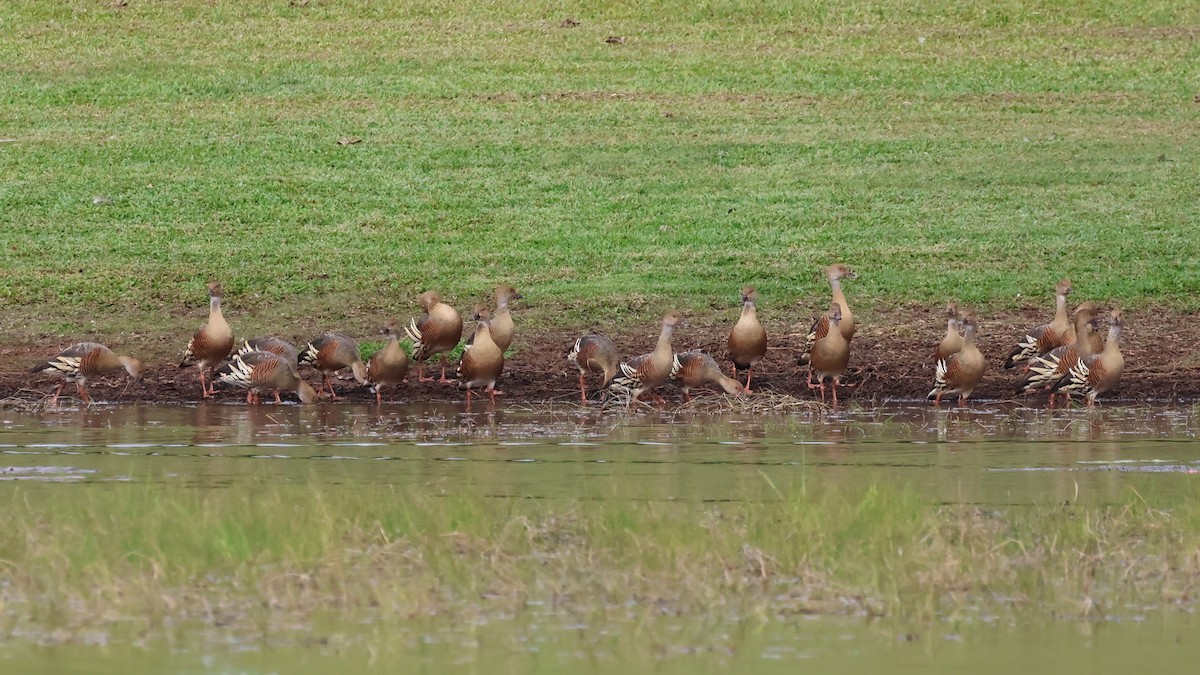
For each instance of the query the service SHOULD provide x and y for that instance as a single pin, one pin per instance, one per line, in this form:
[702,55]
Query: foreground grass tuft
[148,555]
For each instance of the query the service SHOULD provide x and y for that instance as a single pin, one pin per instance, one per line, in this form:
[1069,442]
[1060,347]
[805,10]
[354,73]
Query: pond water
[999,455]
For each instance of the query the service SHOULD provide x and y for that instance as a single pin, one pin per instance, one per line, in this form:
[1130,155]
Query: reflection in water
[989,455]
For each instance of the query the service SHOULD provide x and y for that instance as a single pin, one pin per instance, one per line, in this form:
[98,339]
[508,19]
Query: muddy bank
[890,359]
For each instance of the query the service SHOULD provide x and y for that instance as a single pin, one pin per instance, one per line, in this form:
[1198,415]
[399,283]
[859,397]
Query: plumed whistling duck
[212,343]
[482,364]
[1047,336]
[594,354]
[830,353]
[258,370]
[644,373]
[834,274]
[388,366]
[960,372]
[1098,373]
[331,352]
[1049,368]
[436,332]
[952,341]
[747,342]
[83,360]
[697,369]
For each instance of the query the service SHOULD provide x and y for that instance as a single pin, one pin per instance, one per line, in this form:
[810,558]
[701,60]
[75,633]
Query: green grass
[975,152]
[148,556]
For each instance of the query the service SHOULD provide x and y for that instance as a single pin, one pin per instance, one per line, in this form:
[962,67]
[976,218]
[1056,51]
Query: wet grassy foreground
[277,538]
[139,560]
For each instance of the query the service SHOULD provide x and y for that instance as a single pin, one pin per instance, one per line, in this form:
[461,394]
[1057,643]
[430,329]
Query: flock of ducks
[1060,357]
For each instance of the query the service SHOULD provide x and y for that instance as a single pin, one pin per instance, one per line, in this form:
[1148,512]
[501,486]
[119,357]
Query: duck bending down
[747,342]
[960,372]
[330,352]
[212,343]
[1098,373]
[83,360]
[646,372]
[277,346]
[435,332]
[594,354]
[259,370]
[697,369]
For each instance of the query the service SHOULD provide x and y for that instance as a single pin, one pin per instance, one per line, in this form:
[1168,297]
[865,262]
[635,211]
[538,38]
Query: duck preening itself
[960,372]
[435,332]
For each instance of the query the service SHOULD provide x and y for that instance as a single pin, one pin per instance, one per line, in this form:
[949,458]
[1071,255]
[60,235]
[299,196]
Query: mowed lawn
[942,150]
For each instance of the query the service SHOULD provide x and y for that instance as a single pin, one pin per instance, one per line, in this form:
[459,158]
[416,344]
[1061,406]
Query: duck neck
[836,284]
[1083,346]
[483,331]
[1113,344]
[749,311]
[1060,308]
[663,348]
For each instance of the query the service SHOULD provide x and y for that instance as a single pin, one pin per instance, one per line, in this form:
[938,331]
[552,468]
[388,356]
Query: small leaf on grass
[349,140]
[615,40]
[569,22]
[101,199]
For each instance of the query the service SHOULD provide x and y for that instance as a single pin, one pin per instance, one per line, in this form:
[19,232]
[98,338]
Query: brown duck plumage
[388,366]
[1098,373]
[594,354]
[271,344]
[83,360]
[1049,368]
[747,342]
[436,332]
[646,372]
[259,370]
[952,341]
[212,343]
[697,369]
[961,372]
[482,364]
[502,327]
[331,352]
[820,326]
[830,353]
[1059,332]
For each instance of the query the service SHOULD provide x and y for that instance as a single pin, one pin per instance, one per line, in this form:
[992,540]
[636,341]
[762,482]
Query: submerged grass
[945,151]
[152,557]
